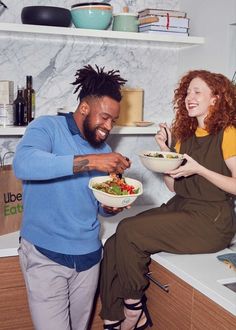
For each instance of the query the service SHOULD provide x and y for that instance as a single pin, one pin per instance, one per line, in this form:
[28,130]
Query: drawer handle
[164,287]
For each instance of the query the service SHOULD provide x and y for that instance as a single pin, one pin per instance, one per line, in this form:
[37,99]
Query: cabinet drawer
[10,273]
[169,310]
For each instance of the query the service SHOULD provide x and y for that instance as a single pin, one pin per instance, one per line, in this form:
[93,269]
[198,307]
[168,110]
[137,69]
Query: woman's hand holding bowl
[190,167]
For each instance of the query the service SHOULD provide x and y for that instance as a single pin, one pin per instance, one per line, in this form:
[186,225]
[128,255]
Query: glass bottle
[29,95]
[19,108]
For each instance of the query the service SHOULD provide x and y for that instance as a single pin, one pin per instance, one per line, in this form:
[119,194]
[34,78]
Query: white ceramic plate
[143,123]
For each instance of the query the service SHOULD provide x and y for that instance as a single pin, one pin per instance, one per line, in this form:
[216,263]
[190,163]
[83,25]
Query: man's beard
[90,134]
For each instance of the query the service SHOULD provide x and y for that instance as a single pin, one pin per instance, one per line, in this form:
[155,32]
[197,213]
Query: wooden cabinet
[96,323]
[170,310]
[175,306]
[14,310]
[183,307]
[208,315]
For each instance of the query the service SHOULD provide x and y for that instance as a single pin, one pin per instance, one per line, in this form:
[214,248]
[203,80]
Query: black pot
[46,15]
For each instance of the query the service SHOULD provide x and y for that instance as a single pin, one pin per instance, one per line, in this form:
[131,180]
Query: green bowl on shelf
[91,16]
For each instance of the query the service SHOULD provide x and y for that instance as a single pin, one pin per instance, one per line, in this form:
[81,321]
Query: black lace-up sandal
[142,306]
[112,326]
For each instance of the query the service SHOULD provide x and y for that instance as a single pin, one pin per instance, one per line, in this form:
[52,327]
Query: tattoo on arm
[80,165]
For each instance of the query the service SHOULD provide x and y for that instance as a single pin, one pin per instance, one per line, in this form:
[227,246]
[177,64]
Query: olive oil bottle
[29,95]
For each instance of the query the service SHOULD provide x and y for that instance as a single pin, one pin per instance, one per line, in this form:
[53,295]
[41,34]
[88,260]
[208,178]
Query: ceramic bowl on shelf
[46,15]
[160,161]
[108,199]
[92,15]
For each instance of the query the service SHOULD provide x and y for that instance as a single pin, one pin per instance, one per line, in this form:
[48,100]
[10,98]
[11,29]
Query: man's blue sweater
[60,211]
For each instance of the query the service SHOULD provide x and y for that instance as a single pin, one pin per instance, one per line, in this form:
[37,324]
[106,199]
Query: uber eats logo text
[9,199]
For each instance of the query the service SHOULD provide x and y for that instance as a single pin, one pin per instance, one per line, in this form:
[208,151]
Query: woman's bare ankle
[131,316]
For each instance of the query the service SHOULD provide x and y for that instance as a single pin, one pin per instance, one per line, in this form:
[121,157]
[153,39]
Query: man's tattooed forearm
[80,165]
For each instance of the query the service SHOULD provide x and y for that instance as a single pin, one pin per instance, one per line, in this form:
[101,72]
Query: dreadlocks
[98,83]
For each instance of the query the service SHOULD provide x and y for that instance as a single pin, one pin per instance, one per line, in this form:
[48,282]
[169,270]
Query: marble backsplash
[53,64]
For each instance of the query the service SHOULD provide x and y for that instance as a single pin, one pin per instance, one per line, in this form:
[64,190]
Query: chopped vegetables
[116,186]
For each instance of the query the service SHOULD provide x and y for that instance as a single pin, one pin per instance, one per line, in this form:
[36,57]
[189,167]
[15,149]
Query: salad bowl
[123,191]
[160,161]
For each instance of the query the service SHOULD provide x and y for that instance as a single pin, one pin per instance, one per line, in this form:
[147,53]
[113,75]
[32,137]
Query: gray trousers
[59,297]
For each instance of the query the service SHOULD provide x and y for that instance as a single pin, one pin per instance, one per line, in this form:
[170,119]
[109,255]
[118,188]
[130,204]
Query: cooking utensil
[3,4]
[46,15]
[167,139]
[127,22]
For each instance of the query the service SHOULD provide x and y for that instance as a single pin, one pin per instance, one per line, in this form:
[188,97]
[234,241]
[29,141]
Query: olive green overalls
[199,219]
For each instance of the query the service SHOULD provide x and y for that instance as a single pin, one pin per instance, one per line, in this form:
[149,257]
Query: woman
[198,219]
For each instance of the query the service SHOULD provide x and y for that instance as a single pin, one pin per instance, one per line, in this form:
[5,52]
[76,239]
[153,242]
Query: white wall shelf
[12,131]
[30,30]
[123,130]
[54,33]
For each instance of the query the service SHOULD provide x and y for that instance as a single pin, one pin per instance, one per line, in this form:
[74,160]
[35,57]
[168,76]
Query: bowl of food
[114,192]
[93,15]
[46,15]
[160,161]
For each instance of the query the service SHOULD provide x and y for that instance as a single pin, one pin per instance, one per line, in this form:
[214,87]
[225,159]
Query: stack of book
[161,20]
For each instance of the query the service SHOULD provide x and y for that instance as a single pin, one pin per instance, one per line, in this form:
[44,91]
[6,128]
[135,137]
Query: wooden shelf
[123,130]
[30,30]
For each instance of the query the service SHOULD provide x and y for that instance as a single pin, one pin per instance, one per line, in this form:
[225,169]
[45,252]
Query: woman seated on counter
[200,217]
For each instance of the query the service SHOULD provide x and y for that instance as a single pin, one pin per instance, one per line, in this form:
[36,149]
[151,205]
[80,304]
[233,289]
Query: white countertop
[204,272]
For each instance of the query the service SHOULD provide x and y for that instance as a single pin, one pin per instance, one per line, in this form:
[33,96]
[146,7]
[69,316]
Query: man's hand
[112,162]
[114,210]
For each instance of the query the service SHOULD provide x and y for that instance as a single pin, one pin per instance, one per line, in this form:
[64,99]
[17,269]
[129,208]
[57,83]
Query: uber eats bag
[10,200]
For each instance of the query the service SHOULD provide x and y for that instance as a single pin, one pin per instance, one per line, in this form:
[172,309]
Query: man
[60,249]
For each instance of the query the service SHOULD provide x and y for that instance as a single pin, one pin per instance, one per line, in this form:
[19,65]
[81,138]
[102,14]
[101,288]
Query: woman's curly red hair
[220,116]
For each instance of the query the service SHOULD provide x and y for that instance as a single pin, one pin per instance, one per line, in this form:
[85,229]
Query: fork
[167,139]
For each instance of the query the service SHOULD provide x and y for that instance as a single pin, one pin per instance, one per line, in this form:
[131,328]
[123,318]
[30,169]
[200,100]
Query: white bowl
[158,164]
[115,200]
